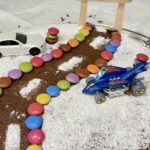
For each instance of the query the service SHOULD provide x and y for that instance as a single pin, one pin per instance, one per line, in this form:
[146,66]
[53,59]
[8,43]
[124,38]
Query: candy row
[35,110]
[26,67]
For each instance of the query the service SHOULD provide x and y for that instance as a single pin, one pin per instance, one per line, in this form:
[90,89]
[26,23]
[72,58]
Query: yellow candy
[43,98]
[107,27]
[85,32]
[34,147]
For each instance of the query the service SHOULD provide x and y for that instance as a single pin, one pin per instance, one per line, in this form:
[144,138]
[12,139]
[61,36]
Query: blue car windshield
[21,37]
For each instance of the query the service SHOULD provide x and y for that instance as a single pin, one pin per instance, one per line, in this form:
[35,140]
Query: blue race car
[116,81]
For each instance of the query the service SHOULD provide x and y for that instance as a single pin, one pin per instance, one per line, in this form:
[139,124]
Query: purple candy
[15,74]
[115,43]
[46,57]
[72,78]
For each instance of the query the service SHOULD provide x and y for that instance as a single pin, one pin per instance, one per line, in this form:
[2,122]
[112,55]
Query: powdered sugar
[73,62]
[101,29]
[75,121]
[13,137]
[33,84]
[98,42]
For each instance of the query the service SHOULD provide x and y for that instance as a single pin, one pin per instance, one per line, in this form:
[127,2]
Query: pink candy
[53,31]
[36,136]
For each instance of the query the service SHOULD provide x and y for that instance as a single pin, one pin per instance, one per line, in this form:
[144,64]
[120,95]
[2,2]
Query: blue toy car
[115,81]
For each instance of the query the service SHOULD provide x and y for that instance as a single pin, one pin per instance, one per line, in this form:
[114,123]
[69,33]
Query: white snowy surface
[70,64]
[73,121]
[98,42]
[32,84]
[13,137]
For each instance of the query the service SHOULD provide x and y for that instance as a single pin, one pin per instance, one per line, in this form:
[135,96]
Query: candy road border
[33,122]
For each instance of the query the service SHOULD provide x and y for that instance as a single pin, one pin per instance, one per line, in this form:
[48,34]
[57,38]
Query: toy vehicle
[20,44]
[116,81]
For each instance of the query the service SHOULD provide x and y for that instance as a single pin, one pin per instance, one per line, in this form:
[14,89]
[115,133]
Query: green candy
[50,36]
[80,37]
[1,92]
[26,67]
[63,84]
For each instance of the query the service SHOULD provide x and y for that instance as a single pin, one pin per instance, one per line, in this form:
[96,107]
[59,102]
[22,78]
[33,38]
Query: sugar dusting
[13,137]
[33,84]
[75,121]
[73,62]
[101,29]
[98,42]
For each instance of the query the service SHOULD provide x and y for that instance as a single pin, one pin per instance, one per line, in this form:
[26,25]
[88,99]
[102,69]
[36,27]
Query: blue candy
[53,91]
[33,122]
[111,48]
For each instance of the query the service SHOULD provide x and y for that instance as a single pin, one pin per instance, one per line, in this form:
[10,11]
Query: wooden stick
[119,16]
[113,1]
[83,12]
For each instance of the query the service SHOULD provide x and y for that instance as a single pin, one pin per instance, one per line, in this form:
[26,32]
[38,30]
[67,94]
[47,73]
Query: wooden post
[119,15]
[83,12]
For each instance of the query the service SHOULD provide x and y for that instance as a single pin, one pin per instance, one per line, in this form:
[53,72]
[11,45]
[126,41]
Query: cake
[80,60]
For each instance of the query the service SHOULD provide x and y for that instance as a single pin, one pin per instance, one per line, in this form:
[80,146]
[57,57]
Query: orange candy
[87,27]
[73,42]
[93,68]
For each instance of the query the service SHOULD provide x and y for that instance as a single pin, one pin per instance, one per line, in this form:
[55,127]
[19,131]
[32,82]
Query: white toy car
[20,44]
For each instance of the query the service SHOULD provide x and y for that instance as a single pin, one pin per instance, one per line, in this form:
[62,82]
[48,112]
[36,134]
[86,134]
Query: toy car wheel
[1,55]
[100,98]
[34,51]
[138,89]
[89,79]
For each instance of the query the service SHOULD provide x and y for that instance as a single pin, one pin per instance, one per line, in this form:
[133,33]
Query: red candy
[116,38]
[56,53]
[37,62]
[35,109]
[107,55]
[142,57]
[36,136]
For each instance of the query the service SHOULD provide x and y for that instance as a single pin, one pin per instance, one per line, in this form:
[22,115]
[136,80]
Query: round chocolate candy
[53,90]
[43,98]
[72,78]
[50,36]
[34,147]
[26,67]
[50,41]
[65,47]
[46,57]
[5,82]
[116,38]
[85,32]
[56,53]
[36,136]
[115,34]
[33,122]
[73,42]
[37,62]
[100,62]
[63,84]
[115,43]
[107,55]
[87,27]
[35,109]
[93,68]
[111,48]
[15,74]
[53,31]
[142,57]
[1,91]
[83,73]
[80,37]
